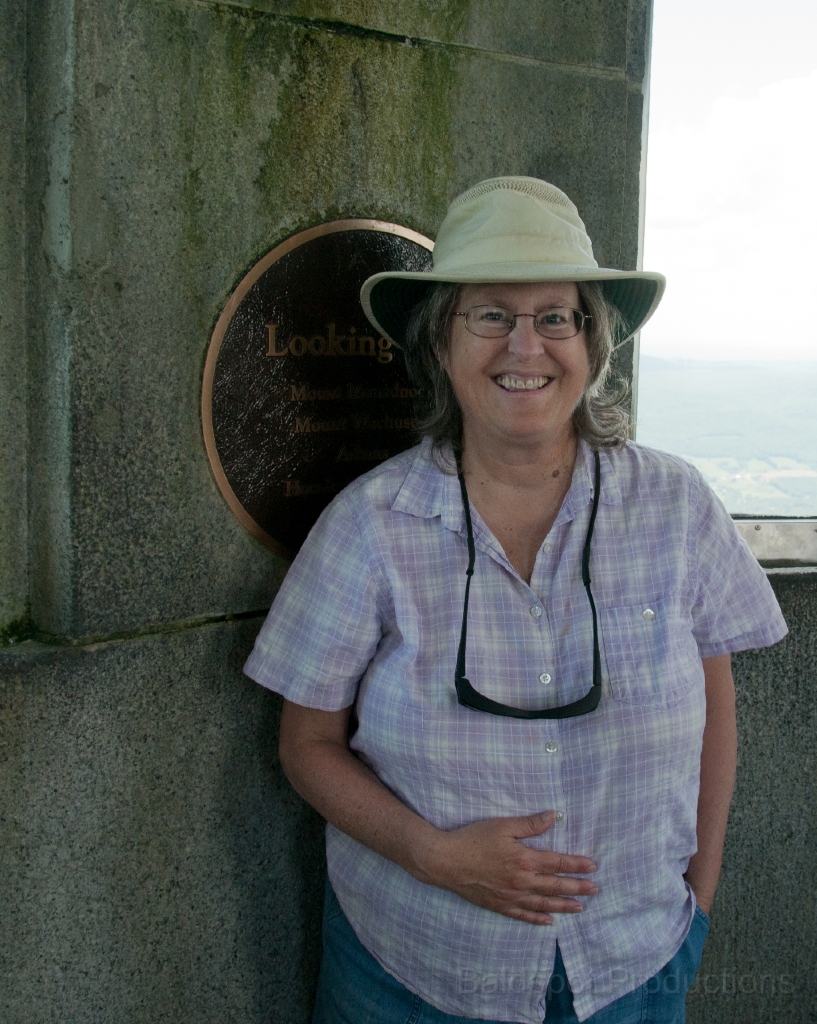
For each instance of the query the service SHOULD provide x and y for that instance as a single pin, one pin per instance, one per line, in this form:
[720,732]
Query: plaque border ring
[217,337]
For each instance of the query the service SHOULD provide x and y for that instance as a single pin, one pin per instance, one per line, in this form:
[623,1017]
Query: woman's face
[488,374]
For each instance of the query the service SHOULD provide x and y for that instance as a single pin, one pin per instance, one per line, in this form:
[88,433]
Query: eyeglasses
[467,696]
[556,322]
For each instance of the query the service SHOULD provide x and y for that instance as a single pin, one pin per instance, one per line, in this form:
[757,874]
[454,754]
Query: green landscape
[750,427]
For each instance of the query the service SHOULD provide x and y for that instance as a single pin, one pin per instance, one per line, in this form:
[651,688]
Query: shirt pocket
[652,657]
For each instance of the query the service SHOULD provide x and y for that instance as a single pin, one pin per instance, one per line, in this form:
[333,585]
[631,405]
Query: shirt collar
[581,486]
[427,491]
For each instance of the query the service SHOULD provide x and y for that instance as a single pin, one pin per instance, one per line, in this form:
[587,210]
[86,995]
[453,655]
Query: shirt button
[560,816]
[536,611]
[545,678]
[547,548]
[648,614]
[551,747]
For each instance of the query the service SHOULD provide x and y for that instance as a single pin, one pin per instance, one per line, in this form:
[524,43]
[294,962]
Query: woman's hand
[486,864]
[483,862]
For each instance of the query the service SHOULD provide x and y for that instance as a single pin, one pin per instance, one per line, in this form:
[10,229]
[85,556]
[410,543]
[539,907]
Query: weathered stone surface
[590,32]
[199,138]
[13,428]
[758,962]
[156,864]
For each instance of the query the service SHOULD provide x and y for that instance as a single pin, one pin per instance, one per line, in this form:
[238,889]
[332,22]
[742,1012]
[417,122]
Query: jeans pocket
[692,951]
[665,993]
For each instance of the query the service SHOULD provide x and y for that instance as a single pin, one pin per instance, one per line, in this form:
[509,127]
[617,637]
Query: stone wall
[170,145]
[156,865]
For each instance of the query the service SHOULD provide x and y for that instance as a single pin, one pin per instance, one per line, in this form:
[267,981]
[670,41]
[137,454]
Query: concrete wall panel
[202,137]
[156,864]
[758,962]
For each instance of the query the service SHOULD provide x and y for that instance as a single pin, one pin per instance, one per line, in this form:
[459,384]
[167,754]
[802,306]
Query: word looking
[330,344]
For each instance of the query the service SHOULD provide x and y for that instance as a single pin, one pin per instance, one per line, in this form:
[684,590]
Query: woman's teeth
[504,380]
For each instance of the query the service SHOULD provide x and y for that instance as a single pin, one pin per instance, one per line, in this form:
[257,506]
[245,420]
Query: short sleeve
[323,627]
[735,607]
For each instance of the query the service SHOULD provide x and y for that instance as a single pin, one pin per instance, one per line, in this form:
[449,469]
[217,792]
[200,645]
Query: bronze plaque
[300,394]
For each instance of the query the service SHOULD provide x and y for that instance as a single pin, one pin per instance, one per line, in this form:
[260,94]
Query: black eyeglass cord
[466,694]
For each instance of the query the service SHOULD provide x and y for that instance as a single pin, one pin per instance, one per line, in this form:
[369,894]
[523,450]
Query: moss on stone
[17,631]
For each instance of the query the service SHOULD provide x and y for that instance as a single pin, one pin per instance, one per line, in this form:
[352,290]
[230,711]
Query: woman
[520,846]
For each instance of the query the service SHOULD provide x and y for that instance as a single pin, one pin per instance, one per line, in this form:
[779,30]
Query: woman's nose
[524,341]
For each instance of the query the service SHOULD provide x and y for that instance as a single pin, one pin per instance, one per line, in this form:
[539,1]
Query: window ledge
[781,544]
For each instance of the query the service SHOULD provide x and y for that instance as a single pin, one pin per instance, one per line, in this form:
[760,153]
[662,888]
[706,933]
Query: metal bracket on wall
[781,543]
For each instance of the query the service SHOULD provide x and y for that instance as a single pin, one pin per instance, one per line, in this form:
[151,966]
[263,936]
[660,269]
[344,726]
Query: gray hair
[600,416]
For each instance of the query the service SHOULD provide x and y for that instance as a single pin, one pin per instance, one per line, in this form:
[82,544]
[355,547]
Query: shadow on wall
[277,846]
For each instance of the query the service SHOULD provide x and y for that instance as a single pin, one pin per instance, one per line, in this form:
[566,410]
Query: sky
[731,193]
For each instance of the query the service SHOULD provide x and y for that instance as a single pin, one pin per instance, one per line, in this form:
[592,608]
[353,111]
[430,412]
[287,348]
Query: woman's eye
[494,316]
[553,317]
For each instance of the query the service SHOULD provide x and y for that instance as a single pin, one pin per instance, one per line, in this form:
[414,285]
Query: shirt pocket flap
[652,657]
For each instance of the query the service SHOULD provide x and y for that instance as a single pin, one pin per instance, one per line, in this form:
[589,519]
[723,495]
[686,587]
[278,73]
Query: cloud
[731,219]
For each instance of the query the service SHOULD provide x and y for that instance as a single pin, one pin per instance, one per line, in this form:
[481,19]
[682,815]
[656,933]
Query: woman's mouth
[510,382]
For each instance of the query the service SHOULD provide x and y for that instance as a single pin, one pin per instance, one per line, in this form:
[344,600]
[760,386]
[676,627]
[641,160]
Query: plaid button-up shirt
[370,614]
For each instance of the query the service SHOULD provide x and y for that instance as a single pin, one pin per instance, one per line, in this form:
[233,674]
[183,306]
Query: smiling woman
[601,716]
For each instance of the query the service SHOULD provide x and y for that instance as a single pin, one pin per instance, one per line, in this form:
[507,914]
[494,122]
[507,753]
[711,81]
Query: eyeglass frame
[583,318]
[467,696]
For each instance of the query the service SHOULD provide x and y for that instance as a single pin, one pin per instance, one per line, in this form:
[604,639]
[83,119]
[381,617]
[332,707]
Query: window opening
[728,365]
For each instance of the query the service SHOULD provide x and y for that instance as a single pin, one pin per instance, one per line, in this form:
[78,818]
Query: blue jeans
[354,989]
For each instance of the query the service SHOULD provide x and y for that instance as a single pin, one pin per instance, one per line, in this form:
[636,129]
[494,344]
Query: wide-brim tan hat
[507,230]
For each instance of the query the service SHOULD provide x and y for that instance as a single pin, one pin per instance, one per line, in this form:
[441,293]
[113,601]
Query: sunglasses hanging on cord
[467,696]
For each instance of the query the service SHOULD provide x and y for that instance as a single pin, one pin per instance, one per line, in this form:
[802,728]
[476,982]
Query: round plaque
[300,394]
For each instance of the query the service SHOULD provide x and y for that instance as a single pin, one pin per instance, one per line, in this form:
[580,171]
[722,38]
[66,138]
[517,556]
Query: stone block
[758,960]
[156,864]
[199,138]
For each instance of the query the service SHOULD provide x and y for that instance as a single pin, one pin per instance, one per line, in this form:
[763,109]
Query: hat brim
[388,298]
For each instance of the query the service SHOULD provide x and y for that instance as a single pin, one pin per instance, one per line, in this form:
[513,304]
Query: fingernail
[593,892]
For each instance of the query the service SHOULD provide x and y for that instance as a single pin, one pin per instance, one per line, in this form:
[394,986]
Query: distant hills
[750,427]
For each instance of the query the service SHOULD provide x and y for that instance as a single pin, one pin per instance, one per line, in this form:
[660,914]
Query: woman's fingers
[526,906]
[562,885]
[536,825]
[564,864]
[549,905]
